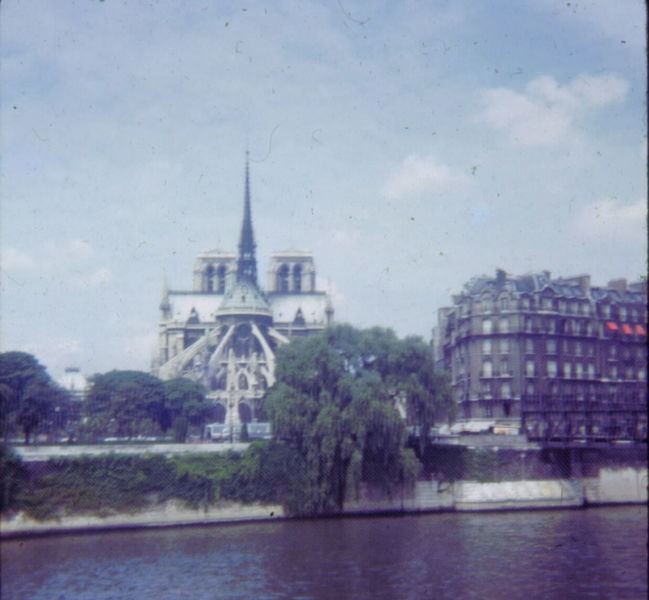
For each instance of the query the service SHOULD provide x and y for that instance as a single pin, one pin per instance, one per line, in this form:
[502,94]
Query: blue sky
[409,145]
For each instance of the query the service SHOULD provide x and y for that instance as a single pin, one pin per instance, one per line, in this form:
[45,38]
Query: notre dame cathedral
[225,331]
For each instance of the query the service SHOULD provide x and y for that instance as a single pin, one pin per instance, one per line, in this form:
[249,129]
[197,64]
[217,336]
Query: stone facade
[558,358]
[225,331]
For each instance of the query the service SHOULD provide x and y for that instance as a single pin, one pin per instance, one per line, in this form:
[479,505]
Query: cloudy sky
[410,145]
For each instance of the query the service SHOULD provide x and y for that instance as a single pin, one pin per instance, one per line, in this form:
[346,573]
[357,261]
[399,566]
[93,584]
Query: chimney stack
[619,285]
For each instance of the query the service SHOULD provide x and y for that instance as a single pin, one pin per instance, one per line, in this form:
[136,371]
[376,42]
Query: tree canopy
[337,398]
[125,403]
[129,403]
[185,404]
[27,394]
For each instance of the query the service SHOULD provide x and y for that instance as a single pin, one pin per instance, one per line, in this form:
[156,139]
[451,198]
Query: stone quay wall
[537,479]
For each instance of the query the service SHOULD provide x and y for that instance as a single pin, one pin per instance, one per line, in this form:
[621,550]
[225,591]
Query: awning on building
[612,326]
[640,329]
[627,329]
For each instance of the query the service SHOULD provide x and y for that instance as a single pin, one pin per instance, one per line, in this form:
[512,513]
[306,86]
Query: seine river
[594,553]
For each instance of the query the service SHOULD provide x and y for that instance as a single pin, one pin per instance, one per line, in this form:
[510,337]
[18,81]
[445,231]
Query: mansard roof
[533,283]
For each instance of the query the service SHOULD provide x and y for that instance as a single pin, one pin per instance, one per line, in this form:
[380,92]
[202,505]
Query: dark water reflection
[596,553]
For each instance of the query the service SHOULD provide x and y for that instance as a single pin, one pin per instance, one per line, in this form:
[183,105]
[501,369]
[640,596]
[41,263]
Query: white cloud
[419,175]
[77,251]
[70,262]
[609,219]
[14,260]
[100,276]
[545,112]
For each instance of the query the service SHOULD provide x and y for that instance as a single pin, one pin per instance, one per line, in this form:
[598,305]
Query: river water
[593,553]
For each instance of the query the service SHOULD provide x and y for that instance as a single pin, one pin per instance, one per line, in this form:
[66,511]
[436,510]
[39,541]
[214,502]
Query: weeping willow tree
[335,401]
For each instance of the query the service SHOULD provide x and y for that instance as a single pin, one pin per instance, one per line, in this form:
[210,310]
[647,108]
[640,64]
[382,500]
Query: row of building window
[491,389]
[574,307]
[552,325]
[566,370]
[553,346]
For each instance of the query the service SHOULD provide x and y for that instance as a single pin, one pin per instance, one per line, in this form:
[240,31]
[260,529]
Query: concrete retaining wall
[548,493]
[614,486]
[167,514]
[608,483]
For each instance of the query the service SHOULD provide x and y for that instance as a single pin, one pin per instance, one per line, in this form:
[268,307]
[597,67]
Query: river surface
[593,553]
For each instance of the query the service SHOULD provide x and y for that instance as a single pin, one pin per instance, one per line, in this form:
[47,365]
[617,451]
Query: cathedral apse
[225,331]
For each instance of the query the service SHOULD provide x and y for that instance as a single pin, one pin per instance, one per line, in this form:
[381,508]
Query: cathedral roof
[313,307]
[244,298]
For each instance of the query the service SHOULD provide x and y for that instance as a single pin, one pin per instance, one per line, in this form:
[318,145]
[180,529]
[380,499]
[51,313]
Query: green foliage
[181,426]
[125,403]
[336,400]
[91,484]
[12,477]
[186,398]
[269,472]
[27,394]
[481,464]
[130,403]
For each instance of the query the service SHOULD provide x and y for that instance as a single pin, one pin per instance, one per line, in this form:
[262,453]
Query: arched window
[219,413]
[221,273]
[243,382]
[209,279]
[297,278]
[282,278]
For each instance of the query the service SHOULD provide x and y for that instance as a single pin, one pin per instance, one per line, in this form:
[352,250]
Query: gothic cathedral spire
[247,262]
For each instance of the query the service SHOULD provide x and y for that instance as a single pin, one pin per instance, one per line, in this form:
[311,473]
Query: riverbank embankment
[470,479]
[611,486]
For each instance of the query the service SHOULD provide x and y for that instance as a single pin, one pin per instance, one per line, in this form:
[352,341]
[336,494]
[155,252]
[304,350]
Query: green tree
[336,400]
[126,403]
[425,394]
[27,394]
[186,399]
[12,477]
[181,427]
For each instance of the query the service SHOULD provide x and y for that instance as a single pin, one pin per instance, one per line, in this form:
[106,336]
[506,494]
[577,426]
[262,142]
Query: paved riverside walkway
[43,453]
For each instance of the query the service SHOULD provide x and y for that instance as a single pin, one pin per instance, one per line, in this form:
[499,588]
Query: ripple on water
[597,553]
